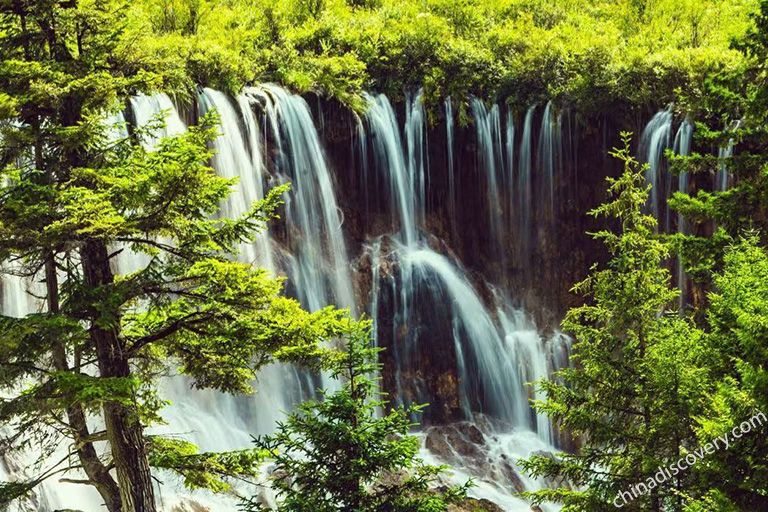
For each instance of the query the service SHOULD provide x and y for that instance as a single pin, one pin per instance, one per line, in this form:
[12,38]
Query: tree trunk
[94,469]
[124,429]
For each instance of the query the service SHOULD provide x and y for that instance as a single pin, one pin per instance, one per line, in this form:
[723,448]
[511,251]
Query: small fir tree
[339,454]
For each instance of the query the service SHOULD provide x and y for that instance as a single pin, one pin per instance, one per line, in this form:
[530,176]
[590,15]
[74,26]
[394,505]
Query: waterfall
[319,265]
[147,110]
[491,164]
[390,162]
[654,141]
[451,170]
[418,161]
[480,346]
[428,309]
[431,294]
[548,155]
[524,189]
[682,147]
[361,147]
[18,293]
[509,141]
[724,154]
[212,420]
[238,155]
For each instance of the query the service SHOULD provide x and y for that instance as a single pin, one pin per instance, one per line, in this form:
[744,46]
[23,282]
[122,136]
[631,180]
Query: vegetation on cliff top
[589,52]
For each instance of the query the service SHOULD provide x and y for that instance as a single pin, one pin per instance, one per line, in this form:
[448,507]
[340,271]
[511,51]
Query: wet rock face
[464,446]
[418,343]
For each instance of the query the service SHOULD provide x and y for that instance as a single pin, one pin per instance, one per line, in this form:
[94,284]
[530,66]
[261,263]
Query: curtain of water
[548,156]
[320,269]
[509,143]
[451,166]
[416,143]
[682,147]
[654,141]
[724,154]
[494,357]
[491,165]
[524,189]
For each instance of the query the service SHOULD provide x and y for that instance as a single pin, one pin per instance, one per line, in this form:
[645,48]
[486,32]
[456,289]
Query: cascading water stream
[548,155]
[389,161]
[319,264]
[724,154]
[451,165]
[654,141]
[682,147]
[524,189]
[493,361]
[509,142]
[491,164]
[147,109]
[238,155]
[416,143]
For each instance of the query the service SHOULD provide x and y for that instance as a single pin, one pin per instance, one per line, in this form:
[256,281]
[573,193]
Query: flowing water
[682,147]
[524,189]
[491,162]
[450,164]
[428,309]
[723,176]
[548,155]
[654,141]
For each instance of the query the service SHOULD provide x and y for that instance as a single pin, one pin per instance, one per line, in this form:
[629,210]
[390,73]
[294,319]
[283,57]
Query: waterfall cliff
[460,242]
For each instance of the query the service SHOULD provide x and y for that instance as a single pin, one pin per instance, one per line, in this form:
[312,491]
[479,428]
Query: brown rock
[471,433]
[475,505]
[437,444]
[511,476]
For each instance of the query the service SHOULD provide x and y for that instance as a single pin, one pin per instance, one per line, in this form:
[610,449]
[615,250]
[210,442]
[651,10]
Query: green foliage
[638,370]
[203,470]
[737,320]
[340,454]
[594,53]
[11,491]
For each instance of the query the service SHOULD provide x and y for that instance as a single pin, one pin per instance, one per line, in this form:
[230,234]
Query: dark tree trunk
[95,470]
[124,430]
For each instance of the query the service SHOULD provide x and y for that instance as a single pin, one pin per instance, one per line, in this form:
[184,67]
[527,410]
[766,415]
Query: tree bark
[124,430]
[94,468]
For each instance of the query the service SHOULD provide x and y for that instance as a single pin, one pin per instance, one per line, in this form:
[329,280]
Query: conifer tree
[725,257]
[338,453]
[72,201]
[636,374]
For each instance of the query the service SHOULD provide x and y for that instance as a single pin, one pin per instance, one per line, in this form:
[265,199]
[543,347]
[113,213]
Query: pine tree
[340,454]
[629,396]
[72,200]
